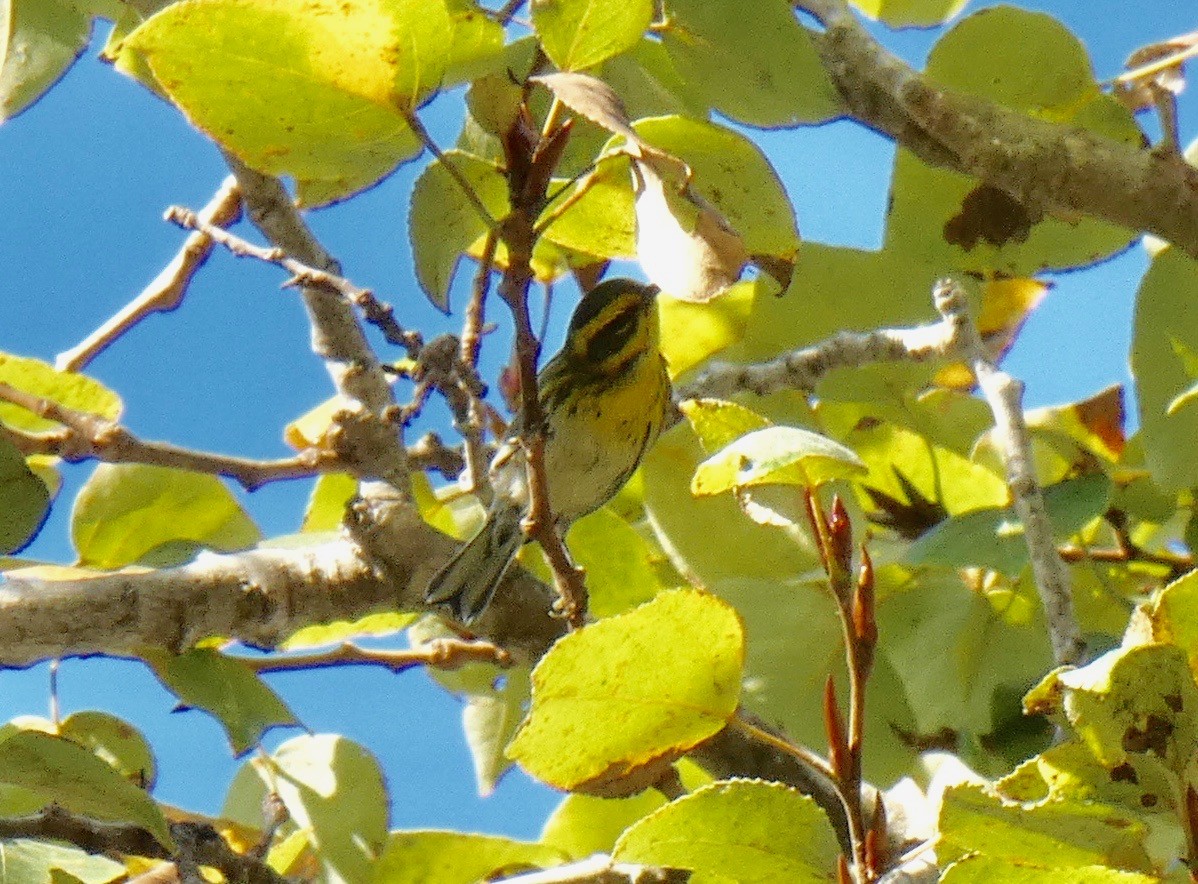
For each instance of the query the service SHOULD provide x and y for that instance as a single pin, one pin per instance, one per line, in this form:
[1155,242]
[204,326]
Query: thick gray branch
[258,597]
[337,336]
[1046,166]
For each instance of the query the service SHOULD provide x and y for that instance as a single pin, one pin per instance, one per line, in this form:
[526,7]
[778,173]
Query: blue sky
[87,174]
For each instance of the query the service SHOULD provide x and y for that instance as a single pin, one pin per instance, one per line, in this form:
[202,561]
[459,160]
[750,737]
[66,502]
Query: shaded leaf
[457,857]
[225,688]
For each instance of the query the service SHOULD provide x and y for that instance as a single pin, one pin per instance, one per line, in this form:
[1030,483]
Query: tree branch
[1047,167]
[90,436]
[1004,395]
[442,653]
[166,291]
[337,337]
[198,843]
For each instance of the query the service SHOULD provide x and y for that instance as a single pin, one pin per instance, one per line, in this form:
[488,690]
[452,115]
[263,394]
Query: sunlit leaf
[416,857]
[643,687]
[761,69]
[75,391]
[578,34]
[765,831]
[125,511]
[324,87]
[64,773]
[776,455]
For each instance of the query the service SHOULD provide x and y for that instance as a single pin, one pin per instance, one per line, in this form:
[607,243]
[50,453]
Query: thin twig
[799,753]
[338,339]
[92,437]
[378,313]
[474,427]
[802,369]
[508,11]
[168,287]
[1004,395]
[439,654]
[454,172]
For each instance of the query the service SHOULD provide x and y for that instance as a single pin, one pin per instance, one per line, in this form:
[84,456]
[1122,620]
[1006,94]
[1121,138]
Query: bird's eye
[611,337]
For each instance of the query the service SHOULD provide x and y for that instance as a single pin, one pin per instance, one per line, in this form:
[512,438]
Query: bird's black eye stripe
[612,336]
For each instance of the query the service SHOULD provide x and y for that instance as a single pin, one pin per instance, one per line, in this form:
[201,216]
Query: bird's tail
[465,585]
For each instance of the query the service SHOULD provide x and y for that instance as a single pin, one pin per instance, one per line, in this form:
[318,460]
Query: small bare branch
[442,653]
[803,369]
[168,287]
[1004,395]
[454,172]
[89,436]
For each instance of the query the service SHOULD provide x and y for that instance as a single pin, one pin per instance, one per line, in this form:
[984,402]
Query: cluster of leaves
[327,93]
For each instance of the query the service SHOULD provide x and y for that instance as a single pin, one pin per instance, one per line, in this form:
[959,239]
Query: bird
[605,396]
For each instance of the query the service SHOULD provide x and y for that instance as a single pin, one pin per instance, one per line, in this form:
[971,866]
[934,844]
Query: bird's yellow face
[614,325]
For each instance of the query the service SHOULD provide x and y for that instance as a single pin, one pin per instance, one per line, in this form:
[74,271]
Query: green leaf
[764,831]
[582,825]
[618,562]
[632,691]
[24,499]
[649,84]
[225,688]
[24,862]
[761,69]
[1129,701]
[1161,342]
[490,719]
[457,858]
[442,222]
[60,771]
[75,391]
[986,647]
[371,626]
[477,47]
[1030,63]
[601,222]
[692,333]
[331,493]
[324,86]
[911,13]
[939,474]
[1174,616]
[578,34]
[115,741]
[125,511]
[686,524]
[980,869]
[719,423]
[331,787]
[776,456]
[993,537]
[1050,834]
[39,41]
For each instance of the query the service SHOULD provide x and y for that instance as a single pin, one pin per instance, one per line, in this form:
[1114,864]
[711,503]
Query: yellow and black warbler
[605,397]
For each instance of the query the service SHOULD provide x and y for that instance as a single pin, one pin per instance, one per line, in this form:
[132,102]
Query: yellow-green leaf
[766,832]
[759,68]
[62,772]
[578,34]
[632,690]
[322,87]
[125,511]
[776,456]
[67,388]
[422,856]
[227,689]
[24,499]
